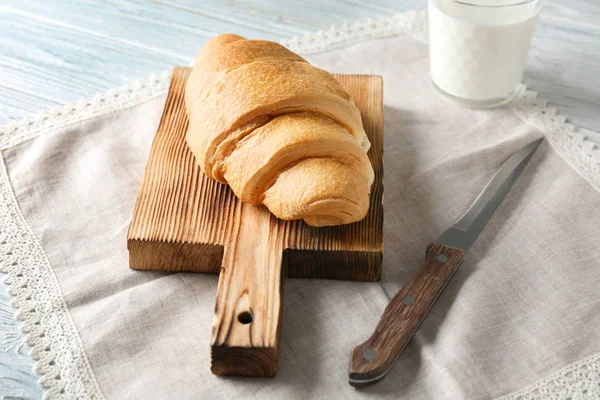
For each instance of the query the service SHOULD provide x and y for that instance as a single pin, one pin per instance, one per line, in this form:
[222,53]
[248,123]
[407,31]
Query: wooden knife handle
[371,361]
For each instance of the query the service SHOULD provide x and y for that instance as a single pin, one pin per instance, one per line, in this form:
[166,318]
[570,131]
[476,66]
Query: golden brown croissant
[279,131]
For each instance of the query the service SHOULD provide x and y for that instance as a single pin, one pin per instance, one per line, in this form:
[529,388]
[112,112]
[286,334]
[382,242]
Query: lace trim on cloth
[51,332]
[103,103]
[580,380]
[413,23]
[583,155]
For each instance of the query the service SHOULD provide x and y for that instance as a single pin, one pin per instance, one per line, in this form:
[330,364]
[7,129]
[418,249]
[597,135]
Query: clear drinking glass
[478,48]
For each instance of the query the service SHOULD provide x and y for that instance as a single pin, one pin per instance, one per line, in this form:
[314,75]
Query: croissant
[279,131]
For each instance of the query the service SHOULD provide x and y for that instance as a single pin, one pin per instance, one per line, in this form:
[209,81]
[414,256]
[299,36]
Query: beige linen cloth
[521,318]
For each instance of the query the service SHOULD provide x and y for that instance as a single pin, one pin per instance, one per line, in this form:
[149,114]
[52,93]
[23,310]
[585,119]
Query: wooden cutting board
[184,221]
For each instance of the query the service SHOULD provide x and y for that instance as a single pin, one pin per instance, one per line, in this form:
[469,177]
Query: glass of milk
[478,48]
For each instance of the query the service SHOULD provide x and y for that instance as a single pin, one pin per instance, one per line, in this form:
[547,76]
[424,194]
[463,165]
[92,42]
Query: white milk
[478,52]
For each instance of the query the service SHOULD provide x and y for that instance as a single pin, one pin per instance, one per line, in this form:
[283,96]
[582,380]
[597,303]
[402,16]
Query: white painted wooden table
[54,52]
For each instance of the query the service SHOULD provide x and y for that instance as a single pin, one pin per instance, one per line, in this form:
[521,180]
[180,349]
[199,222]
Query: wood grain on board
[184,221]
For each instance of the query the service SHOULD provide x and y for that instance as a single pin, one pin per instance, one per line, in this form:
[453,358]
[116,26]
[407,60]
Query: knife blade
[373,359]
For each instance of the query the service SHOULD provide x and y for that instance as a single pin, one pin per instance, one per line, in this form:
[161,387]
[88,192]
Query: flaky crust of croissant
[279,131]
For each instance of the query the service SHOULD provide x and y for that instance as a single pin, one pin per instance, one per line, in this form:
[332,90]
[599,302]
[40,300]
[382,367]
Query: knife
[372,360]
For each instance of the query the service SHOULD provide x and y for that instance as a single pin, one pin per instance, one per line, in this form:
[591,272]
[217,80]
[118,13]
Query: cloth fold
[520,316]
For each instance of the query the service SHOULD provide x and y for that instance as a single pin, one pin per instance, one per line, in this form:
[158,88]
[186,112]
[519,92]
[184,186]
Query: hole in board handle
[245,317]
[442,258]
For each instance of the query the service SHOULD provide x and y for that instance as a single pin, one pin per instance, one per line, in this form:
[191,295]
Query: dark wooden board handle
[370,361]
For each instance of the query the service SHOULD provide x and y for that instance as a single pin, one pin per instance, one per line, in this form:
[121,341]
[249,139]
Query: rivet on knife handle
[370,361]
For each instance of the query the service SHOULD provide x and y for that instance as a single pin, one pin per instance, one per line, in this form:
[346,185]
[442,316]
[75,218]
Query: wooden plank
[563,65]
[61,66]
[184,221]
[17,378]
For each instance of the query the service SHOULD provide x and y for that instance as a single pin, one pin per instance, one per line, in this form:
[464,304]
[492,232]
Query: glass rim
[473,3]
